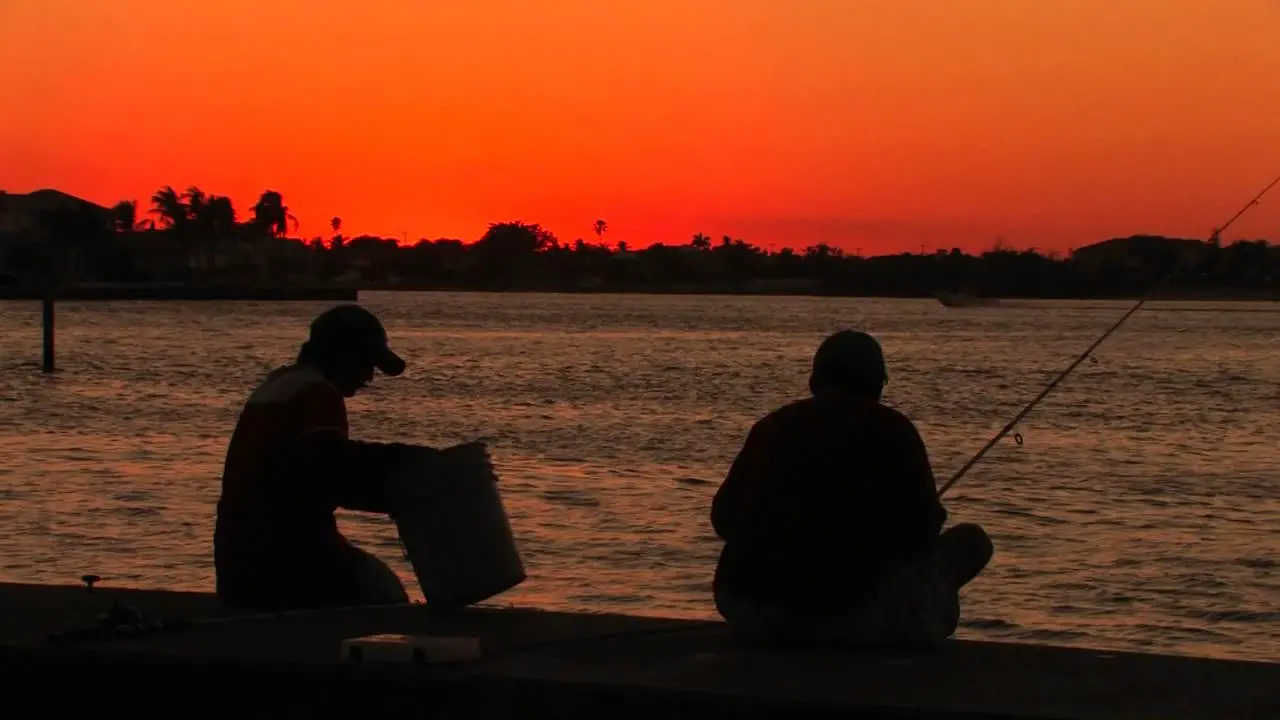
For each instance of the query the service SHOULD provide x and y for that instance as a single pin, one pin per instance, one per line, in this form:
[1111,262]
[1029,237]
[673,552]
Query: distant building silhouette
[38,231]
[21,212]
[1133,249]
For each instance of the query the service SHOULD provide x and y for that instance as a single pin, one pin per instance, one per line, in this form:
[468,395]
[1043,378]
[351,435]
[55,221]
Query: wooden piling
[47,325]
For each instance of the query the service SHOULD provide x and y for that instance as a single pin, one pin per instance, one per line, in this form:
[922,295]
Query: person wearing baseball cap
[831,521]
[291,464]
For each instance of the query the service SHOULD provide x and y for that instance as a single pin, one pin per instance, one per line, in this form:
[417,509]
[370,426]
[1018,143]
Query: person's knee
[968,549]
[377,583]
[974,540]
[747,623]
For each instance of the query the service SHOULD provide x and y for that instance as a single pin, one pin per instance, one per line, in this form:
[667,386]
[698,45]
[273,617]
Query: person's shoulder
[795,409]
[313,387]
[787,418]
[319,405]
[296,384]
[279,373]
[891,414]
[894,420]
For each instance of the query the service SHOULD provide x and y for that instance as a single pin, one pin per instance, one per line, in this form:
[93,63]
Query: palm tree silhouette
[217,220]
[194,199]
[171,209]
[125,215]
[271,219]
[167,206]
[271,215]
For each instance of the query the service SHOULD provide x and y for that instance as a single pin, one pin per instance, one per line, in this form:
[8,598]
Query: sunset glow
[877,125]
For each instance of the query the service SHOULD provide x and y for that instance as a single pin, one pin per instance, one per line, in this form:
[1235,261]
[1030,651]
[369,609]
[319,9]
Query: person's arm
[730,506]
[352,474]
[915,487]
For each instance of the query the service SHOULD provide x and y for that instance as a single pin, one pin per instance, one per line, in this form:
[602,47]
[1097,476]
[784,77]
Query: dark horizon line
[769,250]
[851,248]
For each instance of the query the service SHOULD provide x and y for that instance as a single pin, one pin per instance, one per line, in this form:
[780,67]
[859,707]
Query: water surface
[1141,511]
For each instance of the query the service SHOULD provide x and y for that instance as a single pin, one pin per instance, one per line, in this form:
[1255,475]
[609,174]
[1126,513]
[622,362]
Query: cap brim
[389,363]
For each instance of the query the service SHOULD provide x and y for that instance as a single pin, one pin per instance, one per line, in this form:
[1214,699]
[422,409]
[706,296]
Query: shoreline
[287,293]
[178,292]
[537,663]
[1206,296]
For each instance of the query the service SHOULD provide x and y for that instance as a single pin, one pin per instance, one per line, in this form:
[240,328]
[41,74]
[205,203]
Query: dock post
[47,325]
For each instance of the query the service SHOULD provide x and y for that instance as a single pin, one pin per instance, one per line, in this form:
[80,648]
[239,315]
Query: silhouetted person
[290,464]
[831,519]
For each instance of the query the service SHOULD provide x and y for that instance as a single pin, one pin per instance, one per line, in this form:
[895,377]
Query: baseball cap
[353,327]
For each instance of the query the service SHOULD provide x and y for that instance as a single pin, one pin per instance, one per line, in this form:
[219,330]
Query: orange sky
[872,124]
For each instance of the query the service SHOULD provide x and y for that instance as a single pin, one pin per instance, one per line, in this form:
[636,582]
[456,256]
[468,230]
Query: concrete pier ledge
[544,664]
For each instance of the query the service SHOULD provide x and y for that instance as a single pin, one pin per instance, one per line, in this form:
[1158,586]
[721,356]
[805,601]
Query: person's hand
[408,454]
[471,457]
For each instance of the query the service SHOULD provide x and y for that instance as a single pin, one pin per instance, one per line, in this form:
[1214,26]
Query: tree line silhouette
[198,237]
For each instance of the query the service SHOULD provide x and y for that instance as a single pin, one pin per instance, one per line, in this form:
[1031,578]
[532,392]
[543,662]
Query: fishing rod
[1213,238]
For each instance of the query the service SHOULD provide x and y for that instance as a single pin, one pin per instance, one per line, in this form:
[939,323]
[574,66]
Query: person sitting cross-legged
[831,522]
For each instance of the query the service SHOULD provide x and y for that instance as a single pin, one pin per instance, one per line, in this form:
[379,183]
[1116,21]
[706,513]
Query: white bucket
[454,527]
